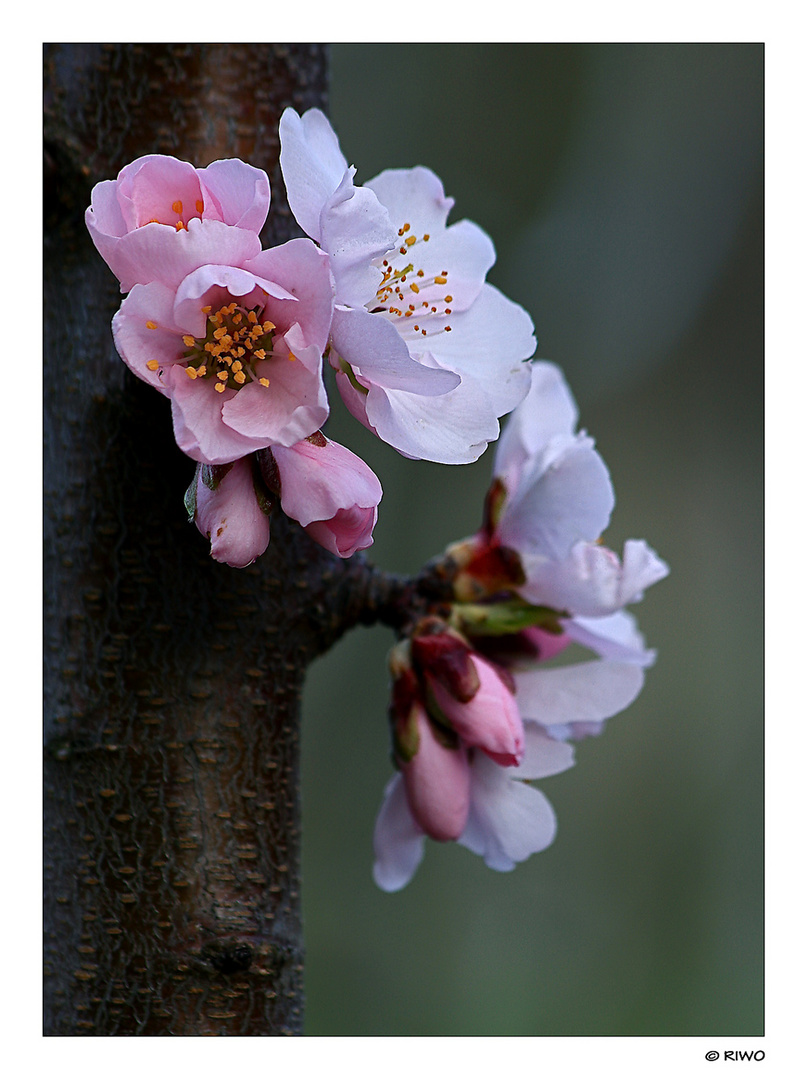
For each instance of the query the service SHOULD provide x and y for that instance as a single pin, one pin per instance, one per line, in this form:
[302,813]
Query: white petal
[543,756]
[312,164]
[614,637]
[559,503]
[355,230]
[489,341]
[509,820]
[372,346]
[591,580]
[454,428]
[594,690]
[413,197]
[397,841]
[548,410]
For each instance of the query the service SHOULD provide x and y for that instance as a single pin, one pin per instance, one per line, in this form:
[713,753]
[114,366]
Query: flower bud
[227,510]
[437,780]
[331,492]
[490,719]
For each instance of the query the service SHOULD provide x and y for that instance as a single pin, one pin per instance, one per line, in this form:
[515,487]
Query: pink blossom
[330,491]
[428,355]
[229,512]
[154,209]
[236,346]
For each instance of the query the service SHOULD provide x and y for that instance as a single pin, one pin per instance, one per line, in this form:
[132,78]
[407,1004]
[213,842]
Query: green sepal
[190,496]
[212,475]
[406,738]
[506,617]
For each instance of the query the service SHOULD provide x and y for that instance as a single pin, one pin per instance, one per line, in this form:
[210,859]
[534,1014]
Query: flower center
[234,341]
[415,302]
[179,217]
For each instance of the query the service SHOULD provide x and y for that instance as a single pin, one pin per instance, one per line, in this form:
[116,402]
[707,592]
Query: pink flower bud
[330,491]
[230,515]
[490,720]
[437,780]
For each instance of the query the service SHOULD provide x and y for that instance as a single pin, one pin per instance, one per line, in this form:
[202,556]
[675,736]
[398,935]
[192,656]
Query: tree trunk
[172,682]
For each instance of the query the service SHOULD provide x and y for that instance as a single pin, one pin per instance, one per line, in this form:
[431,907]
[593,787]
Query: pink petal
[240,193]
[144,331]
[199,429]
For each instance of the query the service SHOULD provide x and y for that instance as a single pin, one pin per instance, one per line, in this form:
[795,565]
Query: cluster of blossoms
[429,356]
[476,710]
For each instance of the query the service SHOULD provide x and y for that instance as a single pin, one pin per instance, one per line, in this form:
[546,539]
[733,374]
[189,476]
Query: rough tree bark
[172,682]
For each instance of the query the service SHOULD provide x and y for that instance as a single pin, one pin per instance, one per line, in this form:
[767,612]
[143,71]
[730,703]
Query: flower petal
[543,756]
[509,820]
[240,191]
[312,164]
[373,348]
[548,410]
[308,288]
[614,637]
[590,691]
[591,580]
[488,342]
[398,843]
[145,333]
[558,503]
[414,197]
[355,230]
[291,408]
[196,410]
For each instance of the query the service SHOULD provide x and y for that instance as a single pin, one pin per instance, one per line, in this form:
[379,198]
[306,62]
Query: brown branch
[172,682]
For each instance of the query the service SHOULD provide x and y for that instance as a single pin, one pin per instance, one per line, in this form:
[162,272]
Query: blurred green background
[622,186]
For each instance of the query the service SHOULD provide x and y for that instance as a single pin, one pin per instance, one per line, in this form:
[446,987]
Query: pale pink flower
[550,500]
[236,346]
[428,355]
[229,511]
[330,491]
[146,223]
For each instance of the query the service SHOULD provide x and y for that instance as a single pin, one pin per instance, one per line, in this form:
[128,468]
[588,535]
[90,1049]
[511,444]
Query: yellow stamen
[240,377]
[267,326]
[200,206]
[188,340]
[440,280]
[252,317]
[264,382]
[180,226]
[152,365]
[426,236]
[177,207]
[206,309]
[222,376]
[410,241]
[219,388]
[414,287]
[259,354]
[151,325]
[292,356]
[190,372]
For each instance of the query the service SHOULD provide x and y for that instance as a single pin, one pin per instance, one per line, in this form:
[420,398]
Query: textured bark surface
[172,683]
